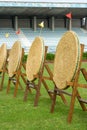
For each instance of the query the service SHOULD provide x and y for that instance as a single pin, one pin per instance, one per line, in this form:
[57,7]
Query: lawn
[15,114]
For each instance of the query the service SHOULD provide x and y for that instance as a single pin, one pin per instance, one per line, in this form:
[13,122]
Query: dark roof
[41,9]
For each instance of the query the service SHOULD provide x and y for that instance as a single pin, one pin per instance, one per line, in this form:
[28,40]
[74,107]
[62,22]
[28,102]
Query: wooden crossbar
[82,100]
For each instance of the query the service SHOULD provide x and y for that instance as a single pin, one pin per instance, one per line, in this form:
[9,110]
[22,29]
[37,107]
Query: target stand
[3,63]
[15,67]
[35,67]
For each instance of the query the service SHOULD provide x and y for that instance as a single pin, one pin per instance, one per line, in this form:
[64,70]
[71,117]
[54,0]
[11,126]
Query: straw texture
[35,58]
[3,55]
[14,58]
[66,59]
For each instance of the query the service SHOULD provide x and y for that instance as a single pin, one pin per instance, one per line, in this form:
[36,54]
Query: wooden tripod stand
[38,85]
[16,79]
[75,94]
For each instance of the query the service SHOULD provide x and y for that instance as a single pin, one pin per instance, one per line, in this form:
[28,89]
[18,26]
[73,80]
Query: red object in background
[69,15]
[18,32]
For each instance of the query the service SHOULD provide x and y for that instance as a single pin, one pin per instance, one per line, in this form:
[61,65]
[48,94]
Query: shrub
[84,57]
[25,58]
[50,56]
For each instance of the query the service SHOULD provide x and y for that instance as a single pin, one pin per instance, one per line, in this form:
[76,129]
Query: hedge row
[51,56]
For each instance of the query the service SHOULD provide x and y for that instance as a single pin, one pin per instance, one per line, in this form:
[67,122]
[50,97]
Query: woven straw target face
[3,55]
[66,59]
[35,58]
[14,58]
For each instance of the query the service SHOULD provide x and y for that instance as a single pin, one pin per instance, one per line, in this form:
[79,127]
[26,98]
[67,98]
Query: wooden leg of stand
[84,73]
[8,87]
[81,103]
[63,98]
[46,86]
[37,92]
[2,81]
[20,86]
[26,93]
[71,109]
[15,91]
[16,86]
[53,102]
[25,82]
[37,96]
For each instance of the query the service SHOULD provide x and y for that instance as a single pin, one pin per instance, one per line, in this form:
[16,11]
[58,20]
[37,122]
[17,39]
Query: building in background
[27,14]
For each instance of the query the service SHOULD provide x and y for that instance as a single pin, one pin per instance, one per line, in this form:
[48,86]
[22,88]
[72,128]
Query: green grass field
[15,114]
